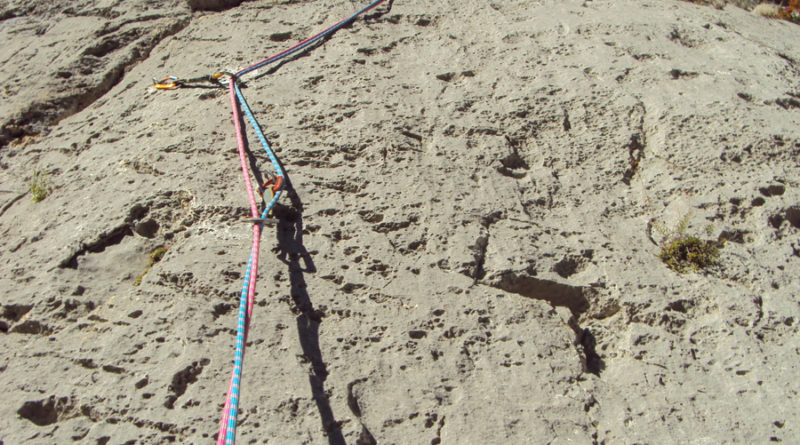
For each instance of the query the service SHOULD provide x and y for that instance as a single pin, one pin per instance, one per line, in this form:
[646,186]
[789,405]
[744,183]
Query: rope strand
[308,41]
[227,427]
[227,432]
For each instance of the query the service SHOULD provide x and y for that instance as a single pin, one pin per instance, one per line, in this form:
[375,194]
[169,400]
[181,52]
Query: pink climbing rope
[225,423]
[242,155]
[227,429]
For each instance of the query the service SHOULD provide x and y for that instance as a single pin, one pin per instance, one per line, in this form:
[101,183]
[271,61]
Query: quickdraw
[209,81]
[274,185]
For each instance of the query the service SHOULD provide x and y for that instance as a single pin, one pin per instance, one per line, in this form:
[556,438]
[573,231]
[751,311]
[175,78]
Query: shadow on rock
[292,253]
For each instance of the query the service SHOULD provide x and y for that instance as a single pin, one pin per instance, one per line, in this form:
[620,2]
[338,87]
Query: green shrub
[684,253]
[39,186]
[689,253]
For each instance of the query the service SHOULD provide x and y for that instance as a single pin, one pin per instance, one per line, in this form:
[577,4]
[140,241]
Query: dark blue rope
[305,43]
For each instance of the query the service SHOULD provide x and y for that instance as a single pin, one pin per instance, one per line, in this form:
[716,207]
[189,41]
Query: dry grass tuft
[39,186]
[769,10]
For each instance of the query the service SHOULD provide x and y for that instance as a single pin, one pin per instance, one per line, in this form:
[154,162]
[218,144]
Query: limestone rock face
[60,57]
[467,251]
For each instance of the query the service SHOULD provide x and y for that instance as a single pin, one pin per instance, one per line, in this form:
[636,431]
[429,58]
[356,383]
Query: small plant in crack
[682,252]
[39,186]
[155,256]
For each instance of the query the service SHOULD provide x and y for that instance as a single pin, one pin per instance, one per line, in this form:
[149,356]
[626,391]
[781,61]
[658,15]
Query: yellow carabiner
[167,83]
[166,86]
[215,78]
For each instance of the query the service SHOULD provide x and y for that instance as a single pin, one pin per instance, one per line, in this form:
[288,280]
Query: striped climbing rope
[227,431]
[227,428]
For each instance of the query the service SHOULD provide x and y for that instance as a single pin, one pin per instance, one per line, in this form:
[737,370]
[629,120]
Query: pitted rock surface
[468,249]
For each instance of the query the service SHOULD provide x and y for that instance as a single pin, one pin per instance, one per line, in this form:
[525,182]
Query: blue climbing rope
[227,432]
[243,320]
[270,154]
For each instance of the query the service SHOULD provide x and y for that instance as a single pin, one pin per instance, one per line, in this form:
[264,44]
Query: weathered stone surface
[468,251]
[60,57]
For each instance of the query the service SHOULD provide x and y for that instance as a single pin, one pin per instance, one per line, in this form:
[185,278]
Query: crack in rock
[365,437]
[574,298]
[212,5]
[108,239]
[557,294]
[636,145]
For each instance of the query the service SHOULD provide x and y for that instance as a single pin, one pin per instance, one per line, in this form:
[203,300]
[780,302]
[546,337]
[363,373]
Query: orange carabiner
[167,83]
[278,184]
[276,181]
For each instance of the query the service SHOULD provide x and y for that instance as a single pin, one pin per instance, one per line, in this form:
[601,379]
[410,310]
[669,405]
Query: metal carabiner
[167,83]
[277,184]
[215,78]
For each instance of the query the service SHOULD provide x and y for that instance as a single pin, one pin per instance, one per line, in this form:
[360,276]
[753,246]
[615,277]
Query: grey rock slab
[467,254]
[61,57]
